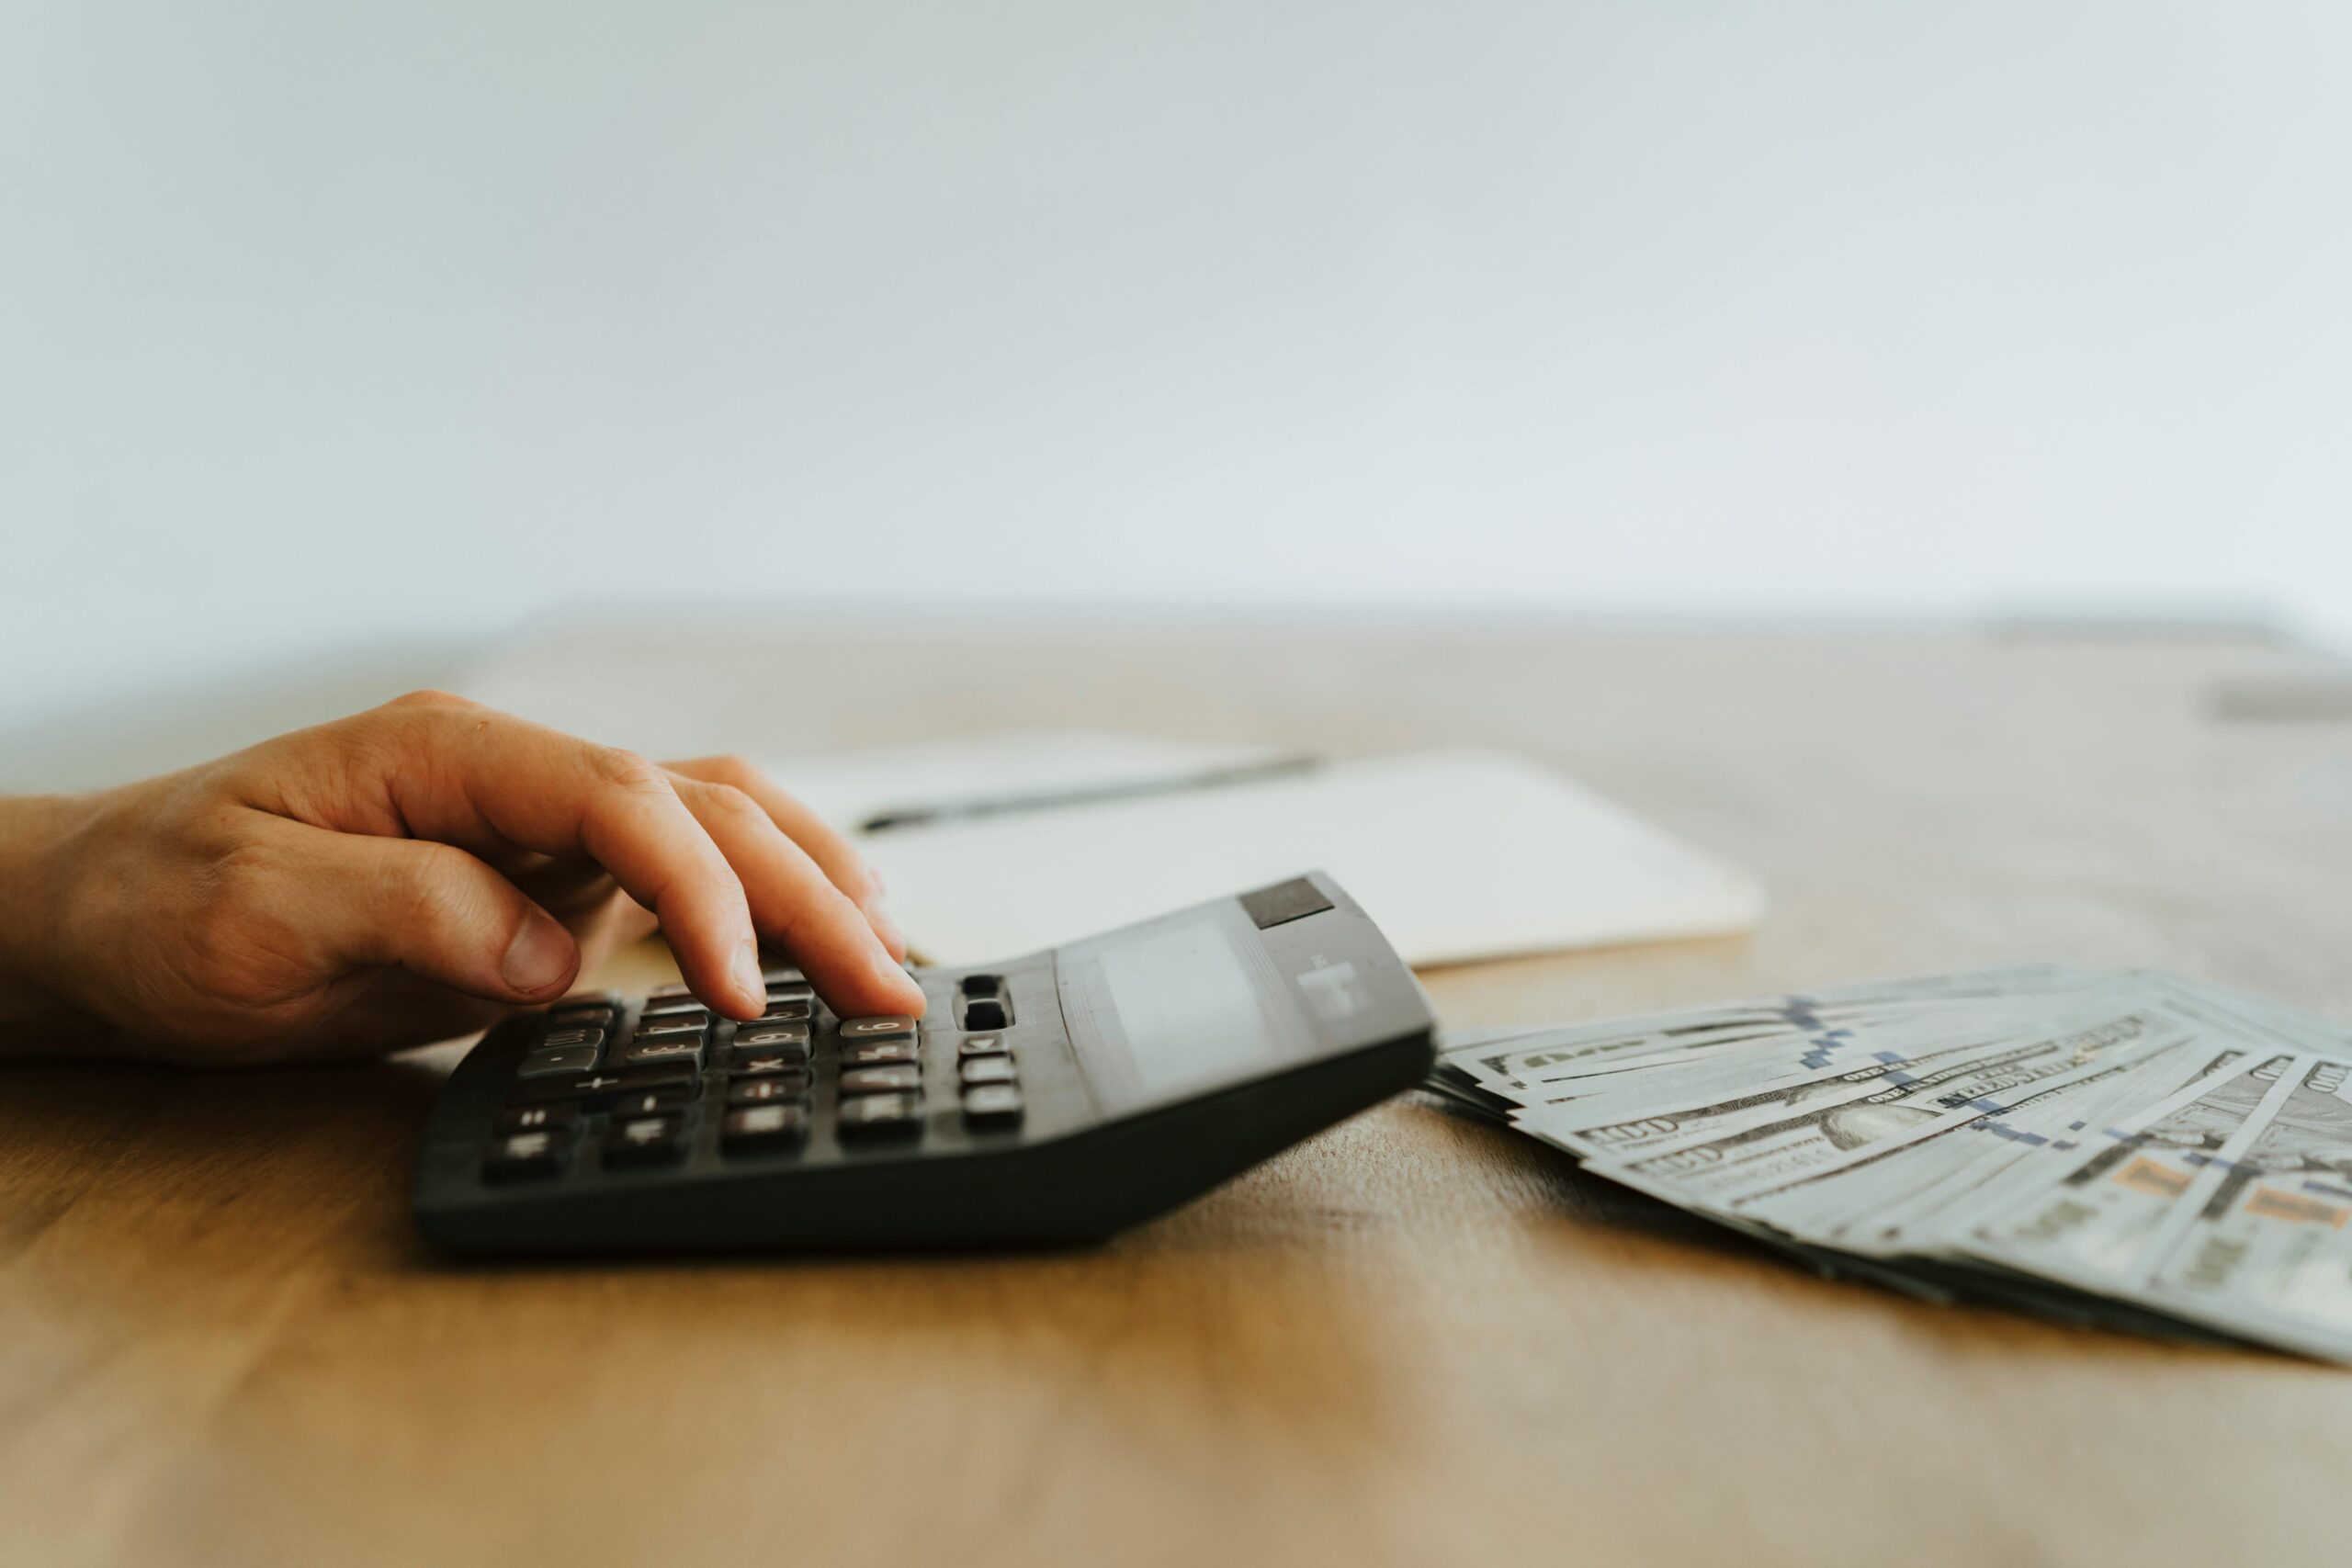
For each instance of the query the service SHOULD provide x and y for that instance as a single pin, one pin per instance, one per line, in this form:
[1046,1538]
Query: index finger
[462,773]
[843,865]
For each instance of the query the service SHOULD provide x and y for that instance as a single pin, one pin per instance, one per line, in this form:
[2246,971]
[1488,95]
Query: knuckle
[431,697]
[735,772]
[424,896]
[239,950]
[629,771]
[726,801]
[861,882]
[825,920]
[413,735]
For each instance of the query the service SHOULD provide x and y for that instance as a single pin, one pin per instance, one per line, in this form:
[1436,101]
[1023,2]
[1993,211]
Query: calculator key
[536,1118]
[982,1045]
[765,1063]
[773,1037]
[989,1069]
[790,991]
[670,1076]
[590,1089]
[797,1007]
[520,1155]
[662,1051]
[890,1026]
[981,985]
[769,1064]
[559,1063]
[583,1086]
[879,1115]
[572,1037]
[695,1024]
[879,1080]
[766,1091]
[776,972]
[646,1140]
[568,1014]
[755,1127]
[986,1013]
[643,1050]
[659,1102]
[878,1053]
[992,1105]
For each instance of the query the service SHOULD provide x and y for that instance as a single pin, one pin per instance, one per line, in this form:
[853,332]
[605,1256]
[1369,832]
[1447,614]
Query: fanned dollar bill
[2129,1149]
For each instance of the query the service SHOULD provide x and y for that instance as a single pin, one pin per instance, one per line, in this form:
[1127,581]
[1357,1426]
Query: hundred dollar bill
[2270,1252]
[2111,1214]
[1462,1090]
[1906,1199]
[1518,1064]
[2236,1013]
[1990,1135]
[2002,1158]
[1910,1203]
[1753,1066]
[1892,1038]
[1899,1089]
[1718,1171]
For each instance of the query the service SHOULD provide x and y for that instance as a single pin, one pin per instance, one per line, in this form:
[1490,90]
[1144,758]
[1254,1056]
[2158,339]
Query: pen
[1134,789]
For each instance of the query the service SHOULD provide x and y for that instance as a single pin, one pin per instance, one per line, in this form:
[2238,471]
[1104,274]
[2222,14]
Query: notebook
[1458,854]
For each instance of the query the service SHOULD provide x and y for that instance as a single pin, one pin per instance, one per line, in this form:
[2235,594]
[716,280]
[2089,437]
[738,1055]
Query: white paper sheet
[1458,854]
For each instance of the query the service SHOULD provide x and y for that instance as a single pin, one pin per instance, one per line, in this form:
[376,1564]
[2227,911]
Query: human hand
[403,875]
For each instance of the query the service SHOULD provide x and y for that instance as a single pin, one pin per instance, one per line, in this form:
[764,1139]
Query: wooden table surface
[1414,1339]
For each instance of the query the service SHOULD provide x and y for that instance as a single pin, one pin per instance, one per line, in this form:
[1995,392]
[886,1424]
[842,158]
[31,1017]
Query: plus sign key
[582,1086]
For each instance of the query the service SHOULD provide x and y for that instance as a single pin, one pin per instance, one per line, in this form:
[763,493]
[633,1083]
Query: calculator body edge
[1158,1061]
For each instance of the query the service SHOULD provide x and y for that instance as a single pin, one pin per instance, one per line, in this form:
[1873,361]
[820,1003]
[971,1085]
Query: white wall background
[373,322]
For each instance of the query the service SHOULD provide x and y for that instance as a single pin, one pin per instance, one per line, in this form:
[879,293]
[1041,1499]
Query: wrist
[32,828]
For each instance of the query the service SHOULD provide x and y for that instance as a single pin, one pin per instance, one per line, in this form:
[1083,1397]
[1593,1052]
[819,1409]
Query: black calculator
[1048,1101]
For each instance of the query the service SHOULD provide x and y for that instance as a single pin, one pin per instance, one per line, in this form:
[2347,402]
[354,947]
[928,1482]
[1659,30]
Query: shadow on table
[1553,1176]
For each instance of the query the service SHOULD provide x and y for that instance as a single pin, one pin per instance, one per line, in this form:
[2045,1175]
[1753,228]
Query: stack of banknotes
[2129,1149]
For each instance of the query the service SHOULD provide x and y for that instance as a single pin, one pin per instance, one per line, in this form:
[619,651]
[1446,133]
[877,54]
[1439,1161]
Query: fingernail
[747,971]
[539,956]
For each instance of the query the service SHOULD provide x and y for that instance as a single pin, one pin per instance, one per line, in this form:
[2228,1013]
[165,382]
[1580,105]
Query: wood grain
[1412,1340]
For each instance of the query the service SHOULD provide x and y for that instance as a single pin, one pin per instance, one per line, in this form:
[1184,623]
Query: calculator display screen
[1181,1005]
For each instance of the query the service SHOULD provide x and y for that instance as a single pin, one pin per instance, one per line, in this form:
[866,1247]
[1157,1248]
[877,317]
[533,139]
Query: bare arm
[402,875]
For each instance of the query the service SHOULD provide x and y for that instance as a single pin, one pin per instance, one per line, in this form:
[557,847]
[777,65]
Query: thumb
[436,912]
